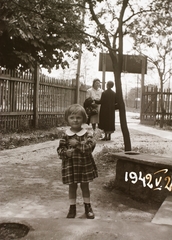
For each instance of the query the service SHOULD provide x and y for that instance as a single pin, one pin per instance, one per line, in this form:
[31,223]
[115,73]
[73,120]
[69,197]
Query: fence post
[155,105]
[36,95]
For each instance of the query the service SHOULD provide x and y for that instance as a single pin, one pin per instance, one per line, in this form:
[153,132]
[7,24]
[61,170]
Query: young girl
[78,166]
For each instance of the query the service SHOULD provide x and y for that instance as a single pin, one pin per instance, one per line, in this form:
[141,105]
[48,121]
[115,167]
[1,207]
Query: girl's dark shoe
[72,211]
[88,211]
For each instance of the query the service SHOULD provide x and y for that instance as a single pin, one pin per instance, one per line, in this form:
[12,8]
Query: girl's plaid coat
[80,167]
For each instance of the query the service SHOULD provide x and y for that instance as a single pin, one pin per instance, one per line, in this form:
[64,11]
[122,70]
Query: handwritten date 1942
[154,181]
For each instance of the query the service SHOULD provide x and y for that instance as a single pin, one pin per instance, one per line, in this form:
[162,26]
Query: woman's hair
[95,80]
[74,109]
[110,84]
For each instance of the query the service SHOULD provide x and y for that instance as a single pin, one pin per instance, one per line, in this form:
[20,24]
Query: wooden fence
[28,99]
[151,106]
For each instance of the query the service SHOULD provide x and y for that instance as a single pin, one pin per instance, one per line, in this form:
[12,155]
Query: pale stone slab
[164,214]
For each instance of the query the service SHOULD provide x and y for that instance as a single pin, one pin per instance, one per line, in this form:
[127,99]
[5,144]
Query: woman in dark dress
[107,111]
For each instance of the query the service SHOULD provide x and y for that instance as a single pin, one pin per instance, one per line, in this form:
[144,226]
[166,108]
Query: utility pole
[79,61]
[78,74]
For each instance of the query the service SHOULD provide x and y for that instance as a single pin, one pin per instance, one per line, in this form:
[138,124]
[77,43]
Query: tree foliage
[39,31]
[152,36]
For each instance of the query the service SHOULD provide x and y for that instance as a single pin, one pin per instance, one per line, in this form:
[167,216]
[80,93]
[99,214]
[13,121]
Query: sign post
[142,86]
[103,71]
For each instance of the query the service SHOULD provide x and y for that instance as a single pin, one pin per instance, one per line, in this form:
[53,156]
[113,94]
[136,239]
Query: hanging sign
[131,63]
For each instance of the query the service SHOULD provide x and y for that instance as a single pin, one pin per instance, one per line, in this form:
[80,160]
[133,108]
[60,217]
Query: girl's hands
[73,142]
[69,152]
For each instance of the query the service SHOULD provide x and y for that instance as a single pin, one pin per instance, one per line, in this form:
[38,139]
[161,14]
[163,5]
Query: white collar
[80,133]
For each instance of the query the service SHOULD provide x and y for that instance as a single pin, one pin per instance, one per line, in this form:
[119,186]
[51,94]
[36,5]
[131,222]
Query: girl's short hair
[74,109]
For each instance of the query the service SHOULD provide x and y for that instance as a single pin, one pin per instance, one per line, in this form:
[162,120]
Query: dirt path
[31,182]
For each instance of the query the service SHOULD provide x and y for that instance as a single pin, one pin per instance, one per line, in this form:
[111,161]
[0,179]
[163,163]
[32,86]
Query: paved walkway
[164,214]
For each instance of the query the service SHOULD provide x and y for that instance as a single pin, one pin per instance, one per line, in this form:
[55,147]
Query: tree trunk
[124,127]
[117,64]
[122,112]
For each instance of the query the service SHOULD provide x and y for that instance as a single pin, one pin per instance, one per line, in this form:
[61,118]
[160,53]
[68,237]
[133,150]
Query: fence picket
[151,106]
